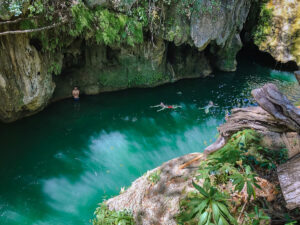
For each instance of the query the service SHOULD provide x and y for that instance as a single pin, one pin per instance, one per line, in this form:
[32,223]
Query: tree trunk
[289,178]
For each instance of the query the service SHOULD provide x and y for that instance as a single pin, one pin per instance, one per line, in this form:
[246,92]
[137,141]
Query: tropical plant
[206,208]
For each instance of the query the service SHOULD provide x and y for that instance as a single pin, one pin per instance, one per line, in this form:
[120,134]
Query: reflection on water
[56,166]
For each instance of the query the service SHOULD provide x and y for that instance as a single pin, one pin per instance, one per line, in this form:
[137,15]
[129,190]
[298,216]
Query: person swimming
[163,106]
[210,105]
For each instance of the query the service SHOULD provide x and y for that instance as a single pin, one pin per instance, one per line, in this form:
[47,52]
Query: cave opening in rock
[251,51]
[35,42]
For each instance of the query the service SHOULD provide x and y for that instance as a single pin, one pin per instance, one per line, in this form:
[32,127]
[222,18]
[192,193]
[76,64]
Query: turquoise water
[57,165]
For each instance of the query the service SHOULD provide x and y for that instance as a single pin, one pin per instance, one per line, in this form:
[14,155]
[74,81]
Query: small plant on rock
[154,177]
[104,216]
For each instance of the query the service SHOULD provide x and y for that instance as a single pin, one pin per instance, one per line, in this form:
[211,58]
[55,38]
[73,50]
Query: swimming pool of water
[57,165]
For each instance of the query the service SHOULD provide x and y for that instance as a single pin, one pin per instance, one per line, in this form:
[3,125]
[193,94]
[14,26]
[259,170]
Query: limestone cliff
[279,30]
[158,60]
[25,83]
[180,42]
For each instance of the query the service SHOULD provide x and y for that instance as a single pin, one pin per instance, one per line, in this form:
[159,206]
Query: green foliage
[154,177]
[205,208]
[245,146]
[265,158]
[117,28]
[291,223]
[248,178]
[15,6]
[27,24]
[82,19]
[107,27]
[239,143]
[258,216]
[36,7]
[55,68]
[264,25]
[235,163]
[220,171]
[104,216]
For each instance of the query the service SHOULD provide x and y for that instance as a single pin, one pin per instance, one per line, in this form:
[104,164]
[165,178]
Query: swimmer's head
[210,103]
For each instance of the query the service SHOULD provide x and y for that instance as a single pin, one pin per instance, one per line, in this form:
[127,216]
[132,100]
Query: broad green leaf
[203,218]
[200,189]
[223,221]
[216,211]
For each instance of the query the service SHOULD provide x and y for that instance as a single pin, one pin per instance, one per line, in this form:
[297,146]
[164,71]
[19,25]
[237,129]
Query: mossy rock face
[225,58]
[106,69]
[278,30]
[25,82]
[177,27]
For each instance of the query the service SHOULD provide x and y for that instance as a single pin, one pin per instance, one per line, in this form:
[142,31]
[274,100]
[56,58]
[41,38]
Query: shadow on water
[57,165]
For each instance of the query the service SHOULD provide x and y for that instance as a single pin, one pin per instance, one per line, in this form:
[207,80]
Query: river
[56,166]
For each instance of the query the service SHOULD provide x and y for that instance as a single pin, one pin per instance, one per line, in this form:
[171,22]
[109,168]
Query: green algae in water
[58,165]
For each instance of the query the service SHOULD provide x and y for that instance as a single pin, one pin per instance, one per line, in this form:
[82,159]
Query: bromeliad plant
[208,207]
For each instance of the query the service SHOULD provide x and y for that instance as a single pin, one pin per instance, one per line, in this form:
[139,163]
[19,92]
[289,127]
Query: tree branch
[17,20]
[32,30]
